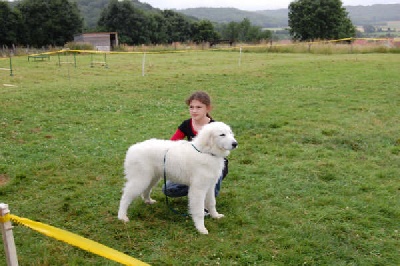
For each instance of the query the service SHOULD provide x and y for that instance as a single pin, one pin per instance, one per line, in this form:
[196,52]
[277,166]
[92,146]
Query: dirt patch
[4,179]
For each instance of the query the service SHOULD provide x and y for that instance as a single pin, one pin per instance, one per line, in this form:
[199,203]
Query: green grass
[316,178]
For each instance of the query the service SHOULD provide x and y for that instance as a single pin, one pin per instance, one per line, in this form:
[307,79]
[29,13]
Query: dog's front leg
[196,208]
[211,204]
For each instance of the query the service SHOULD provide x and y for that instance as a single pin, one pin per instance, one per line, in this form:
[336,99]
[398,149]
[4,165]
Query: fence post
[8,238]
[240,56]
[11,74]
[143,63]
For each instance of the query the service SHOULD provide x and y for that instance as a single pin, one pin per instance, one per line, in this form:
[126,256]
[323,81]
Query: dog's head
[216,138]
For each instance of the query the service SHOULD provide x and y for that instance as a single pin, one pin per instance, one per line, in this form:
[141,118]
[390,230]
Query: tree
[203,31]
[231,31]
[178,27]
[158,28]
[9,24]
[49,22]
[243,32]
[244,29]
[251,33]
[319,19]
[369,28]
[130,23]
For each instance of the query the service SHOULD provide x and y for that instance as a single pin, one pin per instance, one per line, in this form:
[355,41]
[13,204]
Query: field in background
[358,45]
[315,179]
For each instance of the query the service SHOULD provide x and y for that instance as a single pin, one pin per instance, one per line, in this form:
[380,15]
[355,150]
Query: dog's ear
[210,139]
[206,139]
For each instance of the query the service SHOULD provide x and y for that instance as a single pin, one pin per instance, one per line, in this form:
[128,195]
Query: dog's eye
[222,135]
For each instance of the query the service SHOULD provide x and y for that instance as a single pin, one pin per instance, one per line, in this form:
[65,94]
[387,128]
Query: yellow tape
[78,241]
[110,52]
[5,218]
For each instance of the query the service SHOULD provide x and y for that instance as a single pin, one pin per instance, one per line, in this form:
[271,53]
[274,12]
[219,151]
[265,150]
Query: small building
[102,41]
[396,42]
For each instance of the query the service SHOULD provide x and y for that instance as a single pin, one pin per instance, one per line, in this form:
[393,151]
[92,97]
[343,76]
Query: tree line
[41,22]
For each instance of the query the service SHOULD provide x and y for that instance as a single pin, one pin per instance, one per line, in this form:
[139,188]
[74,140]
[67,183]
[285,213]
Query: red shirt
[186,130]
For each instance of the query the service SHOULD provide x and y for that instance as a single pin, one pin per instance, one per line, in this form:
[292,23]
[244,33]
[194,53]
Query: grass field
[315,180]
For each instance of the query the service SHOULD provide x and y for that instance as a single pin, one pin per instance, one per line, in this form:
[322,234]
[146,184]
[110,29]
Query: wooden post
[8,238]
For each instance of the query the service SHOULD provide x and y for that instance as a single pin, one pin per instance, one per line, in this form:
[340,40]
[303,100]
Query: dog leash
[201,151]
[165,186]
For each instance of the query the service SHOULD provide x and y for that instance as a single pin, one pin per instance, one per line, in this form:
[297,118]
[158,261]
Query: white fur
[200,170]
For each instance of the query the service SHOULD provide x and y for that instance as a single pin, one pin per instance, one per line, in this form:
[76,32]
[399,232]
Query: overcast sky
[248,4]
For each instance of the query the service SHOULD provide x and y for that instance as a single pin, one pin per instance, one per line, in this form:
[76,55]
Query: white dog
[198,164]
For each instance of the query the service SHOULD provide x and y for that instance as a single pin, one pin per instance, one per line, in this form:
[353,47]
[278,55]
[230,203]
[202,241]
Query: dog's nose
[234,144]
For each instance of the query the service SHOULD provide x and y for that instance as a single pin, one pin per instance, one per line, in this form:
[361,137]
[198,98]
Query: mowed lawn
[315,180]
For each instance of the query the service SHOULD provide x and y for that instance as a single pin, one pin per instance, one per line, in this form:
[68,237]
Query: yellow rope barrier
[75,240]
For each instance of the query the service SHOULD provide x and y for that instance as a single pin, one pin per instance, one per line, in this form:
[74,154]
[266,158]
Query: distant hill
[91,10]
[375,14]
[274,18]
[279,15]
[267,18]
[360,15]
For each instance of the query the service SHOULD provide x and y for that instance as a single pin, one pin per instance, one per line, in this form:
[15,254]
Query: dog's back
[146,155]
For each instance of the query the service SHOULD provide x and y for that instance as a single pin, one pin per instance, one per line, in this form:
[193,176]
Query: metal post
[8,238]
[11,74]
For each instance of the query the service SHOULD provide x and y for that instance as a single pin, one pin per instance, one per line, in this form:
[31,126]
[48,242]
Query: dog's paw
[217,215]
[123,218]
[203,231]
[150,201]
